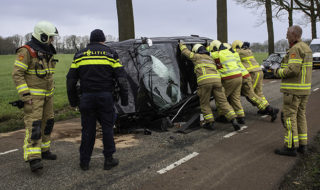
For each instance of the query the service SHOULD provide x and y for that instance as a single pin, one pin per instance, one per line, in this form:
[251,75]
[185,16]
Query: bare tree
[27,37]
[309,8]
[284,5]
[222,21]
[125,19]
[268,11]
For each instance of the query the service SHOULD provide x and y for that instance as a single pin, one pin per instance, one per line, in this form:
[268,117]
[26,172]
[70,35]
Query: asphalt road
[202,159]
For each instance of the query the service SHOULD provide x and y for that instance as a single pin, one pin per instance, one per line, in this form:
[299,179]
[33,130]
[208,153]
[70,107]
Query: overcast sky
[152,18]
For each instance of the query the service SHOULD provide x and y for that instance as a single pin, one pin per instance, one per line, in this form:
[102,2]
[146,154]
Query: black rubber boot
[221,119]
[262,112]
[241,120]
[235,124]
[35,165]
[209,126]
[273,112]
[48,155]
[84,166]
[286,151]
[110,163]
[302,149]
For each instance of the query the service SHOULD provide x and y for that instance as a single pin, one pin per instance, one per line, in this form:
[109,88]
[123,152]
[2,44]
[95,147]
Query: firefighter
[295,73]
[248,92]
[97,67]
[209,82]
[250,63]
[33,76]
[231,76]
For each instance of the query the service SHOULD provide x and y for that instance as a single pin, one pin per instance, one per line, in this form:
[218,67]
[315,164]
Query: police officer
[231,76]
[251,64]
[33,76]
[248,91]
[209,82]
[96,66]
[296,73]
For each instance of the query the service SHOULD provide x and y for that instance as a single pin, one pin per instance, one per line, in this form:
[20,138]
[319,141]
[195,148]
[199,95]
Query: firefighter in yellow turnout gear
[209,82]
[33,76]
[296,73]
[248,91]
[252,66]
[231,76]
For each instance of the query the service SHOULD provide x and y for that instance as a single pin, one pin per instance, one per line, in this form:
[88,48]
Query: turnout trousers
[248,92]
[294,120]
[232,89]
[257,83]
[204,92]
[95,107]
[38,121]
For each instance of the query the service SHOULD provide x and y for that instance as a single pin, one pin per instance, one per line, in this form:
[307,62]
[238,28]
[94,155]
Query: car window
[315,47]
[275,58]
[159,73]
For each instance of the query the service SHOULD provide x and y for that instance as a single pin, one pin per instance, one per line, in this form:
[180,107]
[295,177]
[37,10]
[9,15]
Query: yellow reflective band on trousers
[288,138]
[41,92]
[303,136]
[296,86]
[29,151]
[20,64]
[45,144]
[207,76]
[207,117]
[95,60]
[22,88]
[230,114]
[239,112]
[257,80]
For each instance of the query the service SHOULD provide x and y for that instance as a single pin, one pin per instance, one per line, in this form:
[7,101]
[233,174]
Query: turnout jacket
[33,70]
[296,70]
[204,66]
[248,60]
[98,68]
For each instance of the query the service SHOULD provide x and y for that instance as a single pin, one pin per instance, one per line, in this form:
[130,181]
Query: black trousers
[96,107]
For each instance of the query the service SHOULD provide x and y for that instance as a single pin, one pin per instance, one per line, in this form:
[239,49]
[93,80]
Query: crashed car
[271,63]
[162,82]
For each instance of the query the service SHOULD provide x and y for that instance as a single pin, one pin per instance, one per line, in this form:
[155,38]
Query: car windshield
[315,47]
[160,74]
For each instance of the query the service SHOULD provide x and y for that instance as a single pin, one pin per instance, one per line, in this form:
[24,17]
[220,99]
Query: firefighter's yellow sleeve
[20,67]
[294,65]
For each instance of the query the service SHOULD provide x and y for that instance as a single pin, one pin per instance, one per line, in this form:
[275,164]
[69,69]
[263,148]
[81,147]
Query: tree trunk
[290,13]
[313,20]
[125,20]
[270,26]
[222,21]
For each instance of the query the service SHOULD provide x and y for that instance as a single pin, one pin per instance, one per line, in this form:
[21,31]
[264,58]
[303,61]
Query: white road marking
[177,163]
[273,81]
[234,132]
[315,89]
[264,116]
[9,151]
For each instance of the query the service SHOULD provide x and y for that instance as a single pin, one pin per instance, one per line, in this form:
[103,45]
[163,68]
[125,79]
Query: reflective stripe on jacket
[204,66]
[248,60]
[296,71]
[230,68]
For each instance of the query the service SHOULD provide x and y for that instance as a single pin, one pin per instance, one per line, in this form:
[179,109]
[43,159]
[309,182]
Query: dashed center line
[273,81]
[234,132]
[9,151]
[264,116]
[315,89]
[177,163]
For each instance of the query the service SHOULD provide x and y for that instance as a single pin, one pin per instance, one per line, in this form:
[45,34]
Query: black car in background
[162,83]
[271,63]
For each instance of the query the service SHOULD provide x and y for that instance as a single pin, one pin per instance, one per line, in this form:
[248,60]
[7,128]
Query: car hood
[316,54]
